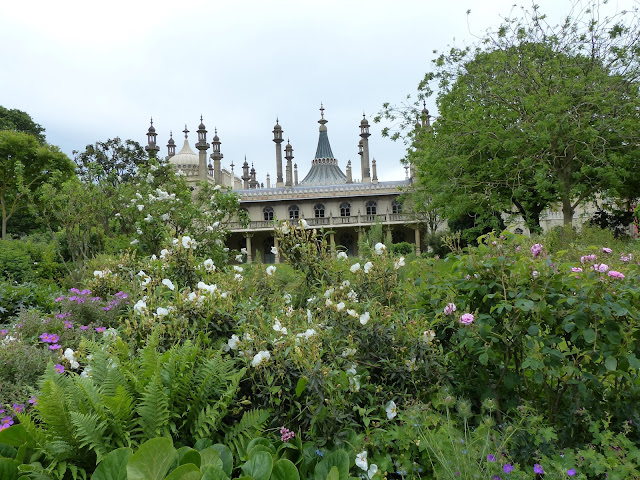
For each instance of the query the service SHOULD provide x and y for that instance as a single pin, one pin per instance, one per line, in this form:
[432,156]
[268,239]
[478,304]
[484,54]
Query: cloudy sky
[89,71]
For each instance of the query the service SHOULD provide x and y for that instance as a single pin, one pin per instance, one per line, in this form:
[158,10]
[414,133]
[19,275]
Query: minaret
[268,180]
[349,178]
[277,138]
[245,174]
[295,174]
[374,175]
[171,146]
[364,133]
[151,148]
[253,183]
[288,150]
[202,147]
[216,156]
[426,119]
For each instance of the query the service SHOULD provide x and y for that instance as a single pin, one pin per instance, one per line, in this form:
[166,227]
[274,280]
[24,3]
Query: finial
[321,110]
[276,119]
[215,130]
[170,133]
[232,165]
[200,118]
[186,131]
[152,121]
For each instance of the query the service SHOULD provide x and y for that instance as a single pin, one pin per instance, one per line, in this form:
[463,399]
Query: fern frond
[90,432]
[52,409]
[153,410]
[209,418]
[120,411]
[251,425]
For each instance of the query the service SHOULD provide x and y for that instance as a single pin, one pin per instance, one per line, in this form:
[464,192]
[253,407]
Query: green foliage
[533,114]
[542,335]
[25,165]
[110,162]
[81,418]
[403,248]
[19,121]
[17,297]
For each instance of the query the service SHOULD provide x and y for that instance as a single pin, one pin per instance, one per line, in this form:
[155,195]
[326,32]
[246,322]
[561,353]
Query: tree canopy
[533,116]
[111,161]
[13,119]
[25,165]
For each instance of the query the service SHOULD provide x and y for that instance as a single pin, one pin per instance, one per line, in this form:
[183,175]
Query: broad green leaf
[259,467]
[302,383]
[226,456]
[214,472]
[533,330]
[589,335]
[113,466]
[9,469]
[7,451]
[337,458]
[15,436]
[152,460]
[611,363]
[210,456]
[633,361]
[334,474]
[191,456]
[202,444]
[483,358]
[187,471]
[284,469]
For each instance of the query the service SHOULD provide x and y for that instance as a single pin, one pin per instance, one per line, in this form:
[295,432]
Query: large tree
[14,119]
[25,165]
[534,116]
[111,161]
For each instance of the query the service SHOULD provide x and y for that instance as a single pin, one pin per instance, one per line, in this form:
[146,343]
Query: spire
[186,131]
[323,152]
[151,147]
[171,145]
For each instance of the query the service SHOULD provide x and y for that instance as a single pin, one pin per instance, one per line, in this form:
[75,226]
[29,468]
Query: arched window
[396,206]
[371,207]
[345,209]
[319,210]
[294,212]
[268,213]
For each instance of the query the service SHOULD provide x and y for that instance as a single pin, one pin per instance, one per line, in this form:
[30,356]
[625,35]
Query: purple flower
[74,290]
[614,274]
[571,472]
[33,400]
[588,258]
[576,269]
[601,267]
[449,309]
[286,434]
[83,327]
[6,422]
[496,477]
[55,346]
[59,299]
[73,298]
[59,368]
[18,407]
[467,319]
[606,250]
[491,458]
[536,250]
[100,329]
[68,324]
[537,468]
[4,332]
[85,292]
[107,308]
[508,468]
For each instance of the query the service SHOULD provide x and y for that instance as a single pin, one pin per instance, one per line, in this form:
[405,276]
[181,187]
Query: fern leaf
[153,410]
[90,432]
[250,425]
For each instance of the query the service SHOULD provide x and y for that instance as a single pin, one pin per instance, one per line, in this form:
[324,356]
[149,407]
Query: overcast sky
[93,70]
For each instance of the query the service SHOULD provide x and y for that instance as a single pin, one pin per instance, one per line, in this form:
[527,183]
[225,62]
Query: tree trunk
[567,211]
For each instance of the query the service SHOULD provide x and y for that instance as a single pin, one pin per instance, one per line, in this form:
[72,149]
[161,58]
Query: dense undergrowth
[512,358]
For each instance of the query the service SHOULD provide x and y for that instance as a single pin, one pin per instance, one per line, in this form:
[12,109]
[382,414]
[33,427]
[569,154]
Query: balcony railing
[384,218]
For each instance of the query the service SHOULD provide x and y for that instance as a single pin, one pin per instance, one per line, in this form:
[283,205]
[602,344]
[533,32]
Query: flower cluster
[286,434]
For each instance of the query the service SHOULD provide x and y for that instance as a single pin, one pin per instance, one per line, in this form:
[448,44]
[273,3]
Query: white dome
[185,157]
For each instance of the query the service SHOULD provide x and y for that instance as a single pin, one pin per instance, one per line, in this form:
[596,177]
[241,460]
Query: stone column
[249,254]
[388,233]
[417,238]
[276,243]
[332,243]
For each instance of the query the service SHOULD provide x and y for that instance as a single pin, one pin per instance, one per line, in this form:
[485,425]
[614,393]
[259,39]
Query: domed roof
[186,156]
